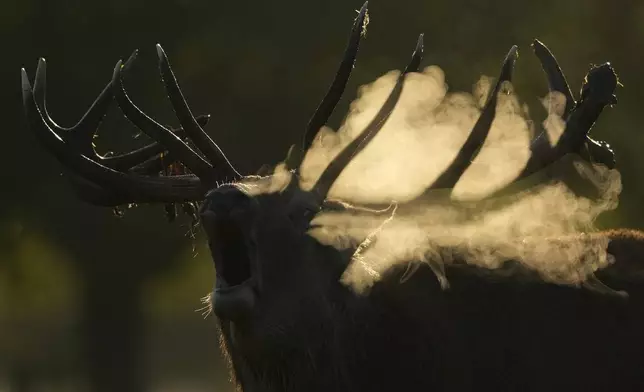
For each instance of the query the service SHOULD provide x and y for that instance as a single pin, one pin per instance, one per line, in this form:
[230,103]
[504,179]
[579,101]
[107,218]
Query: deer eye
[302,214]
[308,213]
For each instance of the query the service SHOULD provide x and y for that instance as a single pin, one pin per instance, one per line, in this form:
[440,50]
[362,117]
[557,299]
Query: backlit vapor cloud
[419,140]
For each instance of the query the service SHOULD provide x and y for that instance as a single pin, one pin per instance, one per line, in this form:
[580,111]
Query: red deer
[287,321]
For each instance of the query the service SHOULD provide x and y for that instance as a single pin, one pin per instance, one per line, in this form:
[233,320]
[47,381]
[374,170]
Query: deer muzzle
[227,218]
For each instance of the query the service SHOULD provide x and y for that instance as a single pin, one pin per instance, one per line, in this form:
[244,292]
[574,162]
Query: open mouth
[227,217]
[231,248]
[231,252]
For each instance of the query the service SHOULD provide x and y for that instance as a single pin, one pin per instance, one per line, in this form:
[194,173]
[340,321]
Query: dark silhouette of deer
[288,323]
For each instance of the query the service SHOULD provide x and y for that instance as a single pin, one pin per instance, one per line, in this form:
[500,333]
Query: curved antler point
[117,83]
[117,69]
[161,53]
[362,14]
[417,56]
[538,46]
[508,63]
[514,51]
[131,59]
[24,78]
[41,69]
[420,45]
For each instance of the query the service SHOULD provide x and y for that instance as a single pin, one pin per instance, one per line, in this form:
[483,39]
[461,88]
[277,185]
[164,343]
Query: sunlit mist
[419,140]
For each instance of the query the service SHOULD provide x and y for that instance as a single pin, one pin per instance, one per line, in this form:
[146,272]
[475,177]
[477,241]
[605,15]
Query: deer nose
[225,198]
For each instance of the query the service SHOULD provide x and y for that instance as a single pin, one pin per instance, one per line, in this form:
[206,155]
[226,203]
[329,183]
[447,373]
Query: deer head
[257,226]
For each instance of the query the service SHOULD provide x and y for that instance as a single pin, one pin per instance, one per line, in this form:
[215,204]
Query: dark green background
[76,283]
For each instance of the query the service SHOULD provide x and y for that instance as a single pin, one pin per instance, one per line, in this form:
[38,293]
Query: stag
[289,324]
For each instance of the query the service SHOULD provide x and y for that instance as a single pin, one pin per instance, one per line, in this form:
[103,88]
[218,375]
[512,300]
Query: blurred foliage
[180,290]
[260,69]
[36,277]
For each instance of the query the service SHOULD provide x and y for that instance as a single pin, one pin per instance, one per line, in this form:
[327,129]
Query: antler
[337,165]
[598,151]
[579,116]
[332,97]
[131,177]
[134,177]
[597,92]
[481,129]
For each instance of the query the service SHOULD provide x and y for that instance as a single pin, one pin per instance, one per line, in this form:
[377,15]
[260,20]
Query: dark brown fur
[288,323]
[486,332]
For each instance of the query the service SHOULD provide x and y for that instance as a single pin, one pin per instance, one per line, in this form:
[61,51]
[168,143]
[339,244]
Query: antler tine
[154,165]
[597,92]
[96,195]
[92,117]
[416,56]
[594,150]
[541,144]
[83,132]
[333,95]
[190,125]
[133,159]
[598,151]
[335,168]
[167,138]
[480,131]
[122,186]
[81,135]
[556,79]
